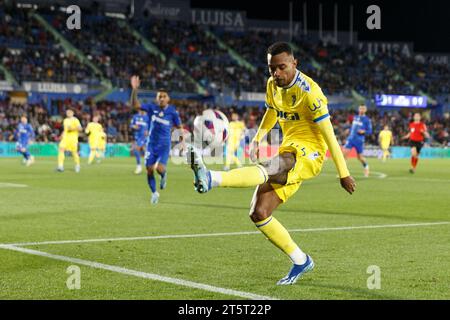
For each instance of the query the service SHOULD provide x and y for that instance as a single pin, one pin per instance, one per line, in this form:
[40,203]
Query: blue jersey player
[24,135]
[139,124]
[361,127]
[162,118]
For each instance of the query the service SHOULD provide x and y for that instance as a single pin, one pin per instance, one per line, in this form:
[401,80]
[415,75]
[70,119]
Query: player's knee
[150,171]
[259,213]
[280,164]
[161,170]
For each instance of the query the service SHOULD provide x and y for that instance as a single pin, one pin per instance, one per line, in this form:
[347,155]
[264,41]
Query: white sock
[298,256]
[216,178]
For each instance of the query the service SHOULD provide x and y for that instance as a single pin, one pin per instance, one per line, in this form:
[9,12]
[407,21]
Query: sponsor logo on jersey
[288,115]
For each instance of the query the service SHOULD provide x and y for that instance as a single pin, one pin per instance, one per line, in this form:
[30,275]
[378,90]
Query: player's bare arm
[347,181]
[267,123]
[134,101]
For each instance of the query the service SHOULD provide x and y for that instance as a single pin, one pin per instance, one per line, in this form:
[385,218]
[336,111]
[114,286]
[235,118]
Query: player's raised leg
[273,171]
[265,201]
[205,179]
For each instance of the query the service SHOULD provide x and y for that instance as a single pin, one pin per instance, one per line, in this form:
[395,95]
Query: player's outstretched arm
[347,181]
[134,101]
[267,123]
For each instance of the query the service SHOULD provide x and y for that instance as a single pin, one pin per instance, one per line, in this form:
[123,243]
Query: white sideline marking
[221,234]
[412,179]
[373,174]
[141,274]
[12,185]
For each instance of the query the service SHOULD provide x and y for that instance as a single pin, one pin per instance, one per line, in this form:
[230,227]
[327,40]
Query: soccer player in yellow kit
[237,129]
[297,103]
[94,130]
[385,139]
[69,141]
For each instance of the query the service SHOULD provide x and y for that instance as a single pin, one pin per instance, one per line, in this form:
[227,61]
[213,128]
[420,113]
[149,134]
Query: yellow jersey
[385,137]
[236,129]
[94,130]
[298,107]
[71,127]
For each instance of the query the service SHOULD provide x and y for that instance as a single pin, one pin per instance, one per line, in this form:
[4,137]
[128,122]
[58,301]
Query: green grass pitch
[108,201]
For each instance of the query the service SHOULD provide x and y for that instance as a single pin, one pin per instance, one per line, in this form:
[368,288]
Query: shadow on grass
[358,293]
[324,212]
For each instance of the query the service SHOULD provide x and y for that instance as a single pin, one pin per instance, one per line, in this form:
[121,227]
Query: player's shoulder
[147,106]
[306,84]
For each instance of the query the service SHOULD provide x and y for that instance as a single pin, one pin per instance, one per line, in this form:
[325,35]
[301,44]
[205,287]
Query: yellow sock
[236,161]
[227,160]
[241,177]
[76,158]
[91,157]
[60,158]
[277,234]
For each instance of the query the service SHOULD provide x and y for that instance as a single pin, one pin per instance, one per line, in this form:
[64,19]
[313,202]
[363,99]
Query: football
[210,129]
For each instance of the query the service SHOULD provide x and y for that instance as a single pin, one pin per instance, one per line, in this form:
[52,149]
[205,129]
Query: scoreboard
[394,100]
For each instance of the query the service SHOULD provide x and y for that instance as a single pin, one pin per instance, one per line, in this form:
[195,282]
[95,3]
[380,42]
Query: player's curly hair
[280,47]
[163,90]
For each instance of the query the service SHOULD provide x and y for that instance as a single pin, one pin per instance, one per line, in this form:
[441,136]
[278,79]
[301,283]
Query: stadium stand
[31,53]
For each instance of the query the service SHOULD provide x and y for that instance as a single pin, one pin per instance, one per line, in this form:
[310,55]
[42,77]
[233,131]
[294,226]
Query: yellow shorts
[94,144]
[385,146]
[69,145]
[309,159]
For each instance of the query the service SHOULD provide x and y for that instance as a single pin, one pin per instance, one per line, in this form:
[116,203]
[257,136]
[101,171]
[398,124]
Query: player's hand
[135,82]
[348,183]
[254,151]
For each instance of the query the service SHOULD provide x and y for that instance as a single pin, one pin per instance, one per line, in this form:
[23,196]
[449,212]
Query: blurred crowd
[115,118]
[32,53]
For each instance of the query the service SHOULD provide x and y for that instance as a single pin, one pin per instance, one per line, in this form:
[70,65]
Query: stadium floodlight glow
[115,15]
[404,101]
[25,5]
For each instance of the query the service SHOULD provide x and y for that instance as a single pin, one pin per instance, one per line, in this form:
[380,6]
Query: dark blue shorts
[140,142]
[153,155]
[21,145]
[357,144]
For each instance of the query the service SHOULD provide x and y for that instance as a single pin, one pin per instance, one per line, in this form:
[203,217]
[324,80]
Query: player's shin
[61,159]
[236,161]
[137,155]
[76,158]
[415,161]
[279,236]
[151,182]
[241,178]
[91,157]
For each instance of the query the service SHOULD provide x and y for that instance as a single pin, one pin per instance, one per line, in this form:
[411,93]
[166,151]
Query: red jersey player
[417,134]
